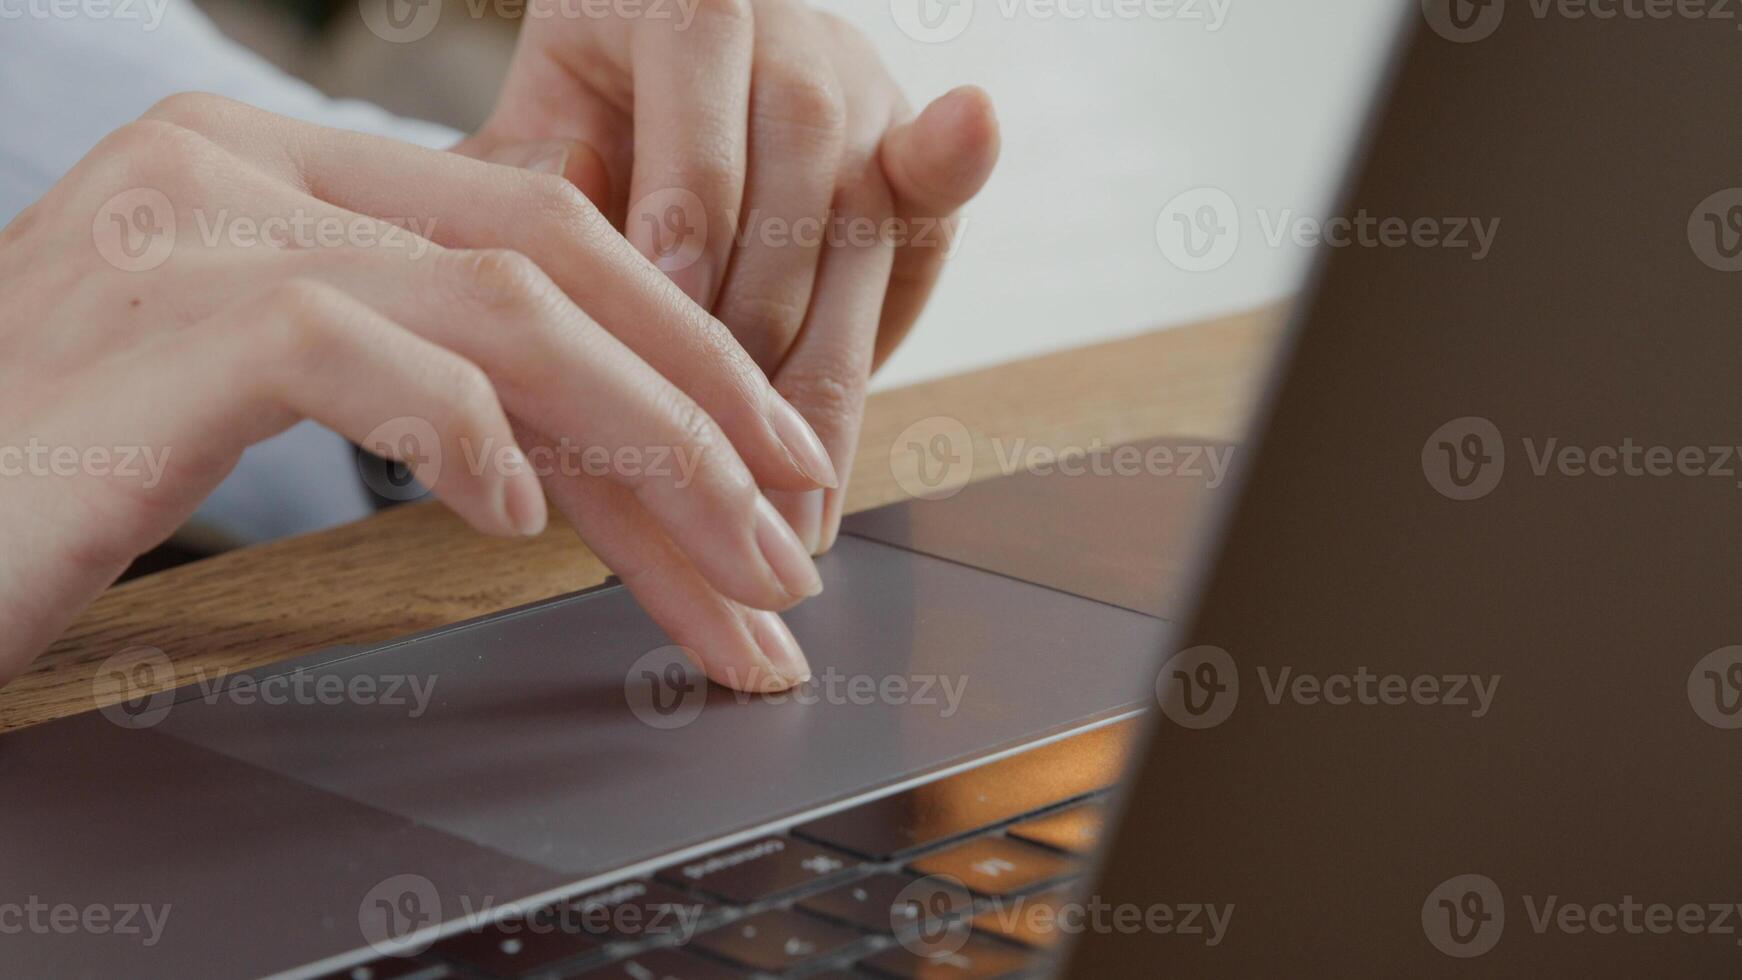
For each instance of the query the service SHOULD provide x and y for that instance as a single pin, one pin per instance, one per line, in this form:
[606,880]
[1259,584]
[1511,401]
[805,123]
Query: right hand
[139,312]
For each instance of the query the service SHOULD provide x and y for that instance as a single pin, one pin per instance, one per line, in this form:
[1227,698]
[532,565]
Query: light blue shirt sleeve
[71,71]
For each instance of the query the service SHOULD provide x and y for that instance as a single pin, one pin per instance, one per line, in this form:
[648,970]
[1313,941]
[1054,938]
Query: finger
[745,649]
[573,160]
[934,164]
[798,119]
[569,379]
[299,350]
[307,350]
[692,95]
[826,373]
[466,203]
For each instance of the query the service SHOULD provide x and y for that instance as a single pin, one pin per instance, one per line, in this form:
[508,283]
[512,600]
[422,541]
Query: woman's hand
[719,134]
[211,274]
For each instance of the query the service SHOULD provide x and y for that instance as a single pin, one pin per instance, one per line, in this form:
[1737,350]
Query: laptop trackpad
[546,735]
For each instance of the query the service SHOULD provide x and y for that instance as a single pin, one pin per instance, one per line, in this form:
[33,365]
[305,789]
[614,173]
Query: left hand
[763,122]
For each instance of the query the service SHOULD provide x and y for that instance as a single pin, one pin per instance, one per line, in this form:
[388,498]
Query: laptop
[1449,684]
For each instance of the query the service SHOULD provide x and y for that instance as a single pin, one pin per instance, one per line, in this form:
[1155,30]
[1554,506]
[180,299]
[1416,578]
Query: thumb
[577,161]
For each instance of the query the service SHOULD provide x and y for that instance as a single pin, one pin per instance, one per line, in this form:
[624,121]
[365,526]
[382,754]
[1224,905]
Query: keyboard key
[979,959]
[996,865]
[517,948]
[760,869]
[664,964]
[1031,920]
[393,969]
[870,903]
[776,940]
[1073,830]
[638,910]
[991,794]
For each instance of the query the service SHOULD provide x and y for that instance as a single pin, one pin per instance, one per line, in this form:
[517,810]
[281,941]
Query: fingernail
[804,514]
[552,159]
[779,647]
[785,553]
[523,505]
[801,443]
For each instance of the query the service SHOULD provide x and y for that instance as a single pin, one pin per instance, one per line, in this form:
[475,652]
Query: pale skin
[521,312]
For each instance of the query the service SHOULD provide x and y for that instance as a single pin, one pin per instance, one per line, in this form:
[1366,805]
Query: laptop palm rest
[527,733]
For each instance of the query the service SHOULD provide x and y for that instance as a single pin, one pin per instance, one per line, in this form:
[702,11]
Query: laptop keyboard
[907,886]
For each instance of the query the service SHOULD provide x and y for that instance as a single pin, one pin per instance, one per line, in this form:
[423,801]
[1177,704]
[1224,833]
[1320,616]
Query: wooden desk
[417,567]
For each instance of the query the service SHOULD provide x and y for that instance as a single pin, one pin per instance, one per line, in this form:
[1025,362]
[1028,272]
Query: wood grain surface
[418,567]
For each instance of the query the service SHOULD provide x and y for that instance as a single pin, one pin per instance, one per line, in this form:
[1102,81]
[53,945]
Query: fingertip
[945,155]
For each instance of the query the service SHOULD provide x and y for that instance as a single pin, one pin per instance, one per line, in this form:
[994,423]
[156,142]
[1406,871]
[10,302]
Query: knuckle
[193,110]
[767,316]
[500,279]
[305,324]
[829,393]
[865,199]
[803,97]
[560,202]
[469,394]
[157,152]
[735,12]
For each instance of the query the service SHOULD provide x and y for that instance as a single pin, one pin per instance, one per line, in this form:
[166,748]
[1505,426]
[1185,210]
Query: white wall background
[1106,117]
